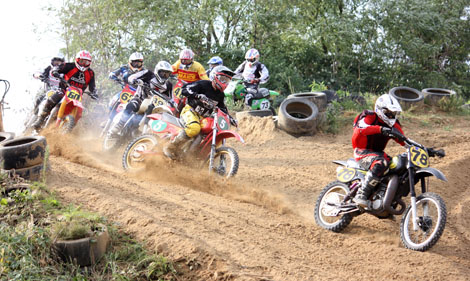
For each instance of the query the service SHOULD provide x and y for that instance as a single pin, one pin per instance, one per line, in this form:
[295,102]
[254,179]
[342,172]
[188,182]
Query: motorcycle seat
[171,119]
[263,92]
[351,163]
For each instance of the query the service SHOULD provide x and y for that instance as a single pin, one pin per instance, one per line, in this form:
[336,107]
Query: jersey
[367,132]
[149,77]
[122,73]
[194,73]
[77,78]
[203,87]
[253,70]
[51,81]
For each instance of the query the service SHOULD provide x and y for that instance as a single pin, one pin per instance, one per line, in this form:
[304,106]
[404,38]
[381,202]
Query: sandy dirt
[260,225]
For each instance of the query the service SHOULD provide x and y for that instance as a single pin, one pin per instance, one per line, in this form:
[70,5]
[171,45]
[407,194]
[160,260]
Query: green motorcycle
[236,90]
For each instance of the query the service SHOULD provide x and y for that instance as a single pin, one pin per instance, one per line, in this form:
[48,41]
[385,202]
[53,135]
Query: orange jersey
[195,72]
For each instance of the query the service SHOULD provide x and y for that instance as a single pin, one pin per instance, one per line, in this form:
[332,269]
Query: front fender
[228,134]
[427,172]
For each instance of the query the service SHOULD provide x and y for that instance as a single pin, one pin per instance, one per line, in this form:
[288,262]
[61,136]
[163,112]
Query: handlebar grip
[441,153]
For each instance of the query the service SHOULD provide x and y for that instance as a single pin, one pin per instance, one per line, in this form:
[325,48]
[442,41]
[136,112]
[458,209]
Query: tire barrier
[432,96]
[407,97]
[298,116]
[24,155]
[5,136]
[318,98]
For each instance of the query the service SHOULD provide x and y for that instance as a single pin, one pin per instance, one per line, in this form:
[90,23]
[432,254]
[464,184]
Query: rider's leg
[132,106]
[50,103]
[251,93]
[377,167]
[192,127]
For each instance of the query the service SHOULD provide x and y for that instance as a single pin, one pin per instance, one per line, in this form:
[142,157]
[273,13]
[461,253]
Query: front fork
[414,212]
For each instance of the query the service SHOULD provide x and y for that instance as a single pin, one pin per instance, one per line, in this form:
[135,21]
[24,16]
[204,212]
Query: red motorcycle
[209,146]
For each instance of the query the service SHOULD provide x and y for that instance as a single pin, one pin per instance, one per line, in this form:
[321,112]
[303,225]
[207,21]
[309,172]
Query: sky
[29,41]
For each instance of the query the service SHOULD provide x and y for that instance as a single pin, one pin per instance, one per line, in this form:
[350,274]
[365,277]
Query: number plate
[125,97]
[223,125]
[74,95]
[419,157]
[345,174]
[158,126]
[158,101]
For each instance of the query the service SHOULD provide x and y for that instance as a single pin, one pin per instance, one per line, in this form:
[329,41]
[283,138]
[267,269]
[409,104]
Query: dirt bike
[423,221]
[237,91]
[117,104]
[157,103]
[209,146]
[40,100]
[177,97]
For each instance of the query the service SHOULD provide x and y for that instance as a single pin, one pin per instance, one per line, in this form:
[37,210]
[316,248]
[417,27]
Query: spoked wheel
[135,153]
[431,215]
[225,162]
[326,214]
[67,125]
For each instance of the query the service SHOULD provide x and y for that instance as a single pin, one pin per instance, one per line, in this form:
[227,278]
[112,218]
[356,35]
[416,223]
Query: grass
[28,221]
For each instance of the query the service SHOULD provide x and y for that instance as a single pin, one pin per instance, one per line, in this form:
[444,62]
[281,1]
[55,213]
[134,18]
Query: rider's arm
[398,127]
[114,75]
[175,67]
[45,73]
[264,74]
[138,75]
[201,71]
[239,69]
[365,128]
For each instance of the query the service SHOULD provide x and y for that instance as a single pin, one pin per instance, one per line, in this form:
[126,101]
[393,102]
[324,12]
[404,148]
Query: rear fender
[429,172]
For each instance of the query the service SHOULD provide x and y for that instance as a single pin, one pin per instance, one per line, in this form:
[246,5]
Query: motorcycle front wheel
[225,162]
[134,155]
[325,210]
[67,125]
[431,215]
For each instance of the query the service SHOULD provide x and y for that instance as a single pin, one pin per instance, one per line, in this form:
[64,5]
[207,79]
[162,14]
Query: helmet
[388,109]
[215,61]
[136,61]
[186,57]
[252,55]
[220,77]
[57,60]
[83,60]
[163,71]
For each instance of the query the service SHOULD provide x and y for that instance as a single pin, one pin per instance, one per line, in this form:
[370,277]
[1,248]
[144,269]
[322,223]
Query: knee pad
[378,167]
[192,129]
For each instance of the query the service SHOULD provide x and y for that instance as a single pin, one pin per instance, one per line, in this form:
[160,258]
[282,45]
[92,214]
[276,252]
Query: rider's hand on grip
[56,74]
[93,96]
[233,121]
[139,82]
[392,133]
[439,153]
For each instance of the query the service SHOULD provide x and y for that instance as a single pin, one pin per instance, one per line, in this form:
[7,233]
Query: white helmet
[163,71]
[136,61]
[388,109]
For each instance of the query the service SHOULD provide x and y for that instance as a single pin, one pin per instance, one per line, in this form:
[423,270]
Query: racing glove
[93,95]
[233,121]
[392,133]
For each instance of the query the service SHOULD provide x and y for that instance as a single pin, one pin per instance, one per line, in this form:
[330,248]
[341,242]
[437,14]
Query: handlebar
[431,151]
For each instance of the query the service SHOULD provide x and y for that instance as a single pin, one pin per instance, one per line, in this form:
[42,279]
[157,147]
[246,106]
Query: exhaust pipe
[390,194]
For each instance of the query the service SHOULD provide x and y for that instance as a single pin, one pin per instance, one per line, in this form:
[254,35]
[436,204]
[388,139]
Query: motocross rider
[200,94]
[78,74]
[188,69]
[157,80]
[213,62]
[135,63]
[372,131]
[253,73]
[46,77]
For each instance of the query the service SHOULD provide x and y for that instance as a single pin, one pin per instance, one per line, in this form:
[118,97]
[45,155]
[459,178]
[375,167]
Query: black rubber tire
[255,113]
[407,96]
[330,95]
[433,95]
[318,98]
[6,136]
[130,146]
[441,223]
[235,160]
[298,116]
[343,221]
[23,152]
[32,173]
[68,124]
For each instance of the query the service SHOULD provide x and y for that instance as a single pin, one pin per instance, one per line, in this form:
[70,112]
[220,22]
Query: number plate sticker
[223,125]
[158,101]
[158,125]
[345,174]
[125,97]
[73,94]
[419,157]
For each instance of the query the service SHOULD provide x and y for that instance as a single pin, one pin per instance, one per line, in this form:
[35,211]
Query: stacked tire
[432,96]
[407,97]
[298,116]
[24,155]
[320,99]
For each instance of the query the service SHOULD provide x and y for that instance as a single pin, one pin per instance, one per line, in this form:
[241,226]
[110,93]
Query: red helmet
[83,60]
[220,77]
[186,57]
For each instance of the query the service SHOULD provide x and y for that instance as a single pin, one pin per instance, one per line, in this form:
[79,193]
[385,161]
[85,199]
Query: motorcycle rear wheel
[133,159]
[431,215]
[333,193]
[226,162]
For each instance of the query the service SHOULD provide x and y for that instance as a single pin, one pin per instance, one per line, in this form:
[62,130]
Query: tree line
[352,45]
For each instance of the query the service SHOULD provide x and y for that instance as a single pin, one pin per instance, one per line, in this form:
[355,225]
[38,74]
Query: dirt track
[260,225]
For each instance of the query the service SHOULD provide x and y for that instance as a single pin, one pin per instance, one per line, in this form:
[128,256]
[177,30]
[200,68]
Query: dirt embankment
[259,226]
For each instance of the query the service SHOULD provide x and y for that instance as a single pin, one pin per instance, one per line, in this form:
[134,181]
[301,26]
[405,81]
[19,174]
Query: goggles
[164,74]
[223,78]
[56,62]
[84,62]
[186,61]
[391,114]
[251,60]
[137,63]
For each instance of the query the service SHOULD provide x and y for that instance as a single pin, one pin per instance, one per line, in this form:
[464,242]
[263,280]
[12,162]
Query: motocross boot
[117,127]
[366,189]
[172,148]
[43,115]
